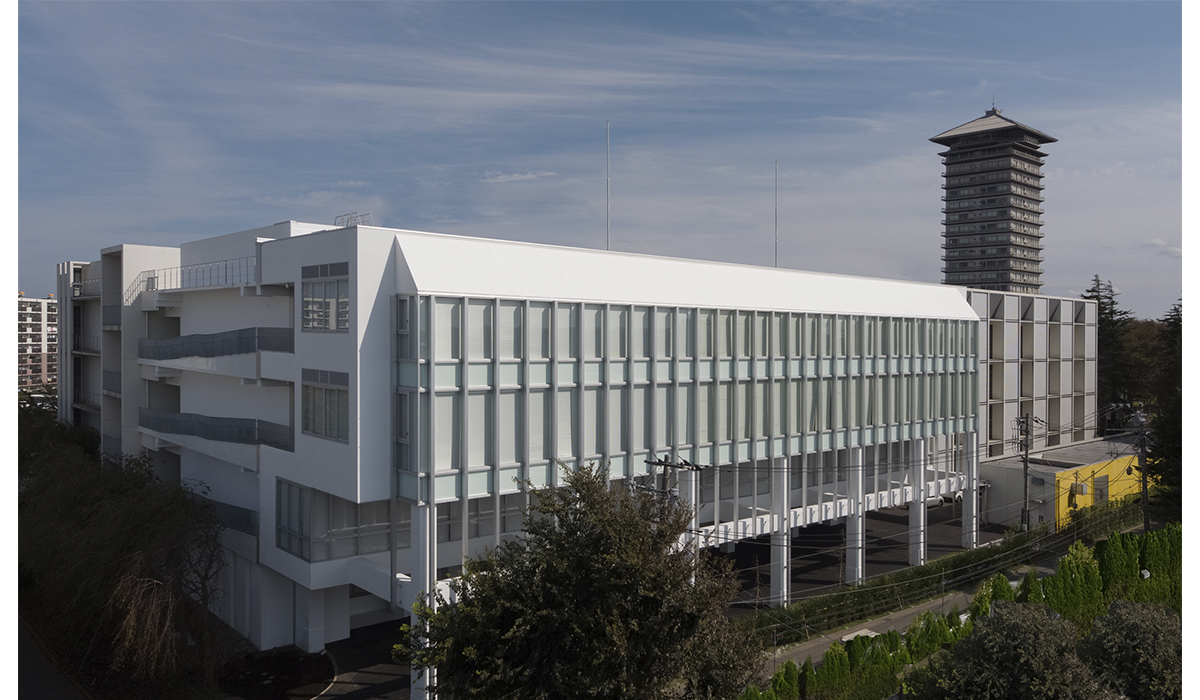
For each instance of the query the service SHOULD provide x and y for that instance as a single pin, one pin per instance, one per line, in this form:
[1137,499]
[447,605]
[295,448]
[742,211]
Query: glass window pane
[479,329]
[593,429]
[343,305]
[567,414]
[593,331]
[448,428]
[685,414]
[663,330]
[343,416]
[479,433]
[538,422]
[568,331]
[642,338]
[725,343]
[618,342]
[708,332]
[511,427]
[664,398]
[687,333]
[509,329]
[318,411]
[449,330]
[618,419]
[330,420]
[539,330]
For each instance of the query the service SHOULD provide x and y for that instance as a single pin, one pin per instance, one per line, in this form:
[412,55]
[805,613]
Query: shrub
[1075,591]
[1030,590]
[1137,650]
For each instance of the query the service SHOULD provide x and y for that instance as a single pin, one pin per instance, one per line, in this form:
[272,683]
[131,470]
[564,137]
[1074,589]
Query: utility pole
[1024,424]
[1143,439]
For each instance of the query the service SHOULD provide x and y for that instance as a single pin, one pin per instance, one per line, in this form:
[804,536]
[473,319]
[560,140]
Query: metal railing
[244,431]
[239,342]
[86,398]
[110,447]
[221,273]
[110,315]
[111,381]
[86,288]
[235,517]
[86,343]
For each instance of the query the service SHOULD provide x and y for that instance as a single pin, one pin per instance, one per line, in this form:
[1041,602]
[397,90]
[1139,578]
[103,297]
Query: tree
[118,566]
[1031,588]
[1112,322]
[1019,651]
[1164,464]
[599,599]
[1137,651]
[1076,590]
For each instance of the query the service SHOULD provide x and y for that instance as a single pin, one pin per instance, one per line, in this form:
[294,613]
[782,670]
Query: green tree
[1030,590]
[597,600]
[1019,651]
[118,566]
[808,679]
[1118,560]
[1112,323]
[1137,651]
[1164,464]
[1076,591]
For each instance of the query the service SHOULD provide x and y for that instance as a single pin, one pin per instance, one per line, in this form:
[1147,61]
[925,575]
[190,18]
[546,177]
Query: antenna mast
[776,212]
[607,200]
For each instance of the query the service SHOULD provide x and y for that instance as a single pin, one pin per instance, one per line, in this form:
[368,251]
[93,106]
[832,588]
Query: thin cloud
[1162,248]
[496,176]
[351,183]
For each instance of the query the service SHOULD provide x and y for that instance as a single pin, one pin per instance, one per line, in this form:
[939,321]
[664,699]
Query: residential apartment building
[367,406]
[37,342]
[993,204]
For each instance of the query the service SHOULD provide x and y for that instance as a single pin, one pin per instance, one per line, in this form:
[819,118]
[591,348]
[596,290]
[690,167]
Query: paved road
[364,667]
[898,621]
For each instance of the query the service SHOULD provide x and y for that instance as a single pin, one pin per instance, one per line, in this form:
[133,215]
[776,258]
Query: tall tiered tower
[993,237]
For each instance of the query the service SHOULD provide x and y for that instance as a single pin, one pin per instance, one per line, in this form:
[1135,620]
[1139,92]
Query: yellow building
[1060,480]
[1081,487]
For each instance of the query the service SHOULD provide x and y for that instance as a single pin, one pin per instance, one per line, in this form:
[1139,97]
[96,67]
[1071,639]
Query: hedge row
[909,586]
[1086,582]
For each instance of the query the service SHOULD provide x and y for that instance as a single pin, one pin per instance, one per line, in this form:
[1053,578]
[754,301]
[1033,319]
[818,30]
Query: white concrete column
[856,519]
[970,502]
[688,485]
[917,510]
[309,619]
[424,577]
[781,540]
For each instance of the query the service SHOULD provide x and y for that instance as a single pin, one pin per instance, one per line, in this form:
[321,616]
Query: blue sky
[158,123]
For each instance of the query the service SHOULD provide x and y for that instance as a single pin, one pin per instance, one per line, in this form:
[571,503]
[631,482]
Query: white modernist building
[364,404]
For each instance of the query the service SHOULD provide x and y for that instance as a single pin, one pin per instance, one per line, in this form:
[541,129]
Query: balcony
[112,383]
[86,344]
[239,342]
[86,400]
[222,273]
[110,317]
[85,289]
[244,431]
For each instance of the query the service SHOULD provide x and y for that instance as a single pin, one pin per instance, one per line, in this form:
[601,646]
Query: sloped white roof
[466,266]
[988,122]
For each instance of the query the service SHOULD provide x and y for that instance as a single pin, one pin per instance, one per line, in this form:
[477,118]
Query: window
[325,409]
[325,303]
[292,503]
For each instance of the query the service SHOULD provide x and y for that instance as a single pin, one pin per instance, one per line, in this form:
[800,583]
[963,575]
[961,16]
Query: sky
[159,123]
